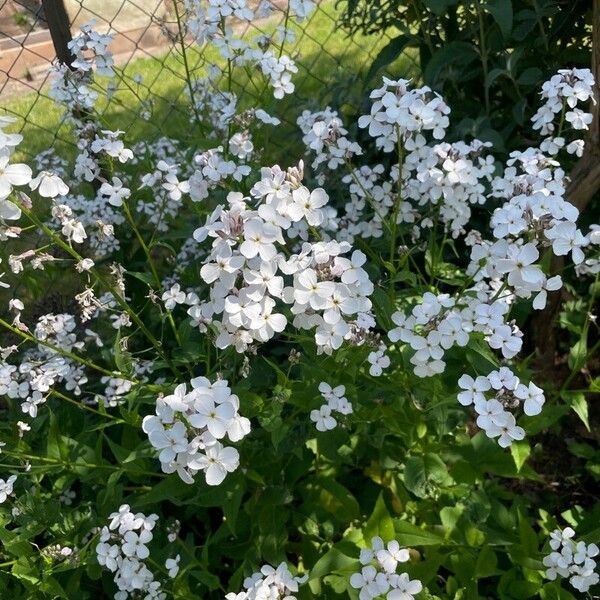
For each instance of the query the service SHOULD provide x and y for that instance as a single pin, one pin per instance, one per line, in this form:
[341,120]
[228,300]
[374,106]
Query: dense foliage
[487,57]
[221,378]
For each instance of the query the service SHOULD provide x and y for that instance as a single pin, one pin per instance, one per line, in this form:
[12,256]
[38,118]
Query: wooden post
[60,29]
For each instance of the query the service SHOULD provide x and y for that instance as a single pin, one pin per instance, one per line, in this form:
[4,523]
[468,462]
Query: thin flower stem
[83,406]
[70,465]
[186,66]
[116,295]
[152,266]
[66,353]
[398,202]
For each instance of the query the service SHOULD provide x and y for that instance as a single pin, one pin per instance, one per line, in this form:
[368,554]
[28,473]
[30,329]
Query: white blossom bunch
[324,133]
[210,22]
[571,559]
[123,550]
[72,86]
[335,401]
[565,90]
[247,266]
[189,427]
[378,577]
[493,395]
[400,111]
[40,369]
[269,583]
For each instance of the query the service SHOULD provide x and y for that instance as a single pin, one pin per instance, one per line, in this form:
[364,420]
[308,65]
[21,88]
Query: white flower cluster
[378,577]
[507,392]
[269,584]
[572,559]
[564,91]
[94,147]
[209,21]
[167,193]
[324,133]
[123,548]
[534,217]
[535,214]
[248,262]
[71,85]
[378,361]
[438,323]
[6,487]
[335,401]
[189,427]
[41,368]
[399,112]
[449,177]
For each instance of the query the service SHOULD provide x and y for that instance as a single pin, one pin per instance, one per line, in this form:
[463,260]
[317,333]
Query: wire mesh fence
[156,64]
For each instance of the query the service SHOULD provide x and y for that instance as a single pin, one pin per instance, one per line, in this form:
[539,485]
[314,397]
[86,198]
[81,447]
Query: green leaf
[452,56]
[520,452]
[390,52]
[486,563]
[337,500]
[527,536]
[578,402]
[410,535]
[123,358]
[502,12]
[439,7]
[145,277]
[380,522]
[530,76]
[423,474]
[578,354]
[331,562]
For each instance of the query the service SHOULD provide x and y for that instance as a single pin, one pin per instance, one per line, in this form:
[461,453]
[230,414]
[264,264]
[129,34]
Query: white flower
[173,297]
[323,419]
[49,185]
[10,175]
[115,193]
[507,430]
[215,417]
[6,488]
[217,462]
[307,205]
[172,566]
[404,588]
[533,398]
[135,544]
[258,239]
[474,389]
[392,555]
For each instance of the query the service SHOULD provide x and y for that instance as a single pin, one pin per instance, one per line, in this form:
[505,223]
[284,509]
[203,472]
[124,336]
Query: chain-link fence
[155,61]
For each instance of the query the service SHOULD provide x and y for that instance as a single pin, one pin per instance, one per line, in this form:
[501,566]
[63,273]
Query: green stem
[66,353]
[83,406]
[484,58]
[398,202]
[152,266]
[186,66]
[117,296]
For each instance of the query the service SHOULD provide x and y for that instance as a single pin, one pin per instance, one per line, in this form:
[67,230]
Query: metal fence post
[60,29]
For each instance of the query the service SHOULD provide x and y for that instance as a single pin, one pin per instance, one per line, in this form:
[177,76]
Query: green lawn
[331,71]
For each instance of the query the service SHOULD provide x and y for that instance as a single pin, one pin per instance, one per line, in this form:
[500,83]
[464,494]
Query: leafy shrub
[324,360]
[488,59]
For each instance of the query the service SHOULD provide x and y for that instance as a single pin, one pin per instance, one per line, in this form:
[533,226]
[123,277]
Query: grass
[331,71]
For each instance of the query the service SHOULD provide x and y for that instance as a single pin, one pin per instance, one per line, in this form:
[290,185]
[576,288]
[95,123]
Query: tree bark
[583,185]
